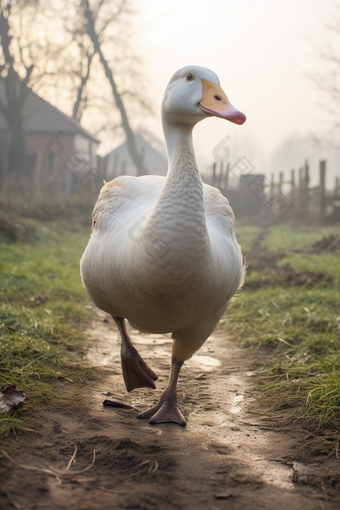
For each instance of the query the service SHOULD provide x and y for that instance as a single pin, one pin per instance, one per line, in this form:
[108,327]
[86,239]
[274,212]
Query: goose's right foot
[166,410]
[136,373]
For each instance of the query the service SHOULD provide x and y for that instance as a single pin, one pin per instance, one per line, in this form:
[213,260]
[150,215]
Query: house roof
[40,116]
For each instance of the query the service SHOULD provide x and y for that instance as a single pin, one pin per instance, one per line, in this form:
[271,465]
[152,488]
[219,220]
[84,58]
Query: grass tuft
[42,313]
[301,322]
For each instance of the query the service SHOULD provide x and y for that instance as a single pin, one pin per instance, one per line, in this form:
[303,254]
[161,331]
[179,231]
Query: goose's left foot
[166,410]
[136,373]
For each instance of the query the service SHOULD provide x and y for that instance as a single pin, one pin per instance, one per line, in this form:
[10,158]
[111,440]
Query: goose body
[163,252]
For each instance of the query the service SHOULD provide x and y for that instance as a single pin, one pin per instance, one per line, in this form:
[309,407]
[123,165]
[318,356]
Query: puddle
[274,473]
[235,400]
[207,362]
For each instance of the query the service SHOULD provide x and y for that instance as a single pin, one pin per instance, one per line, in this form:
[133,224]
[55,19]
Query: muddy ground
[232,453]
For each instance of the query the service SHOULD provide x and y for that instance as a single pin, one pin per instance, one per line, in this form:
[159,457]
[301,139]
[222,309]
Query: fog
[262,52]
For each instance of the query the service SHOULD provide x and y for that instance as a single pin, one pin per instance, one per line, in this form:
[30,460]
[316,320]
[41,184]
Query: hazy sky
[260,51]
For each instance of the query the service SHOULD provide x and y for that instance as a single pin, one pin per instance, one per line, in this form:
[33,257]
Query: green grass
[301,322]
[41,311]
[327,263]
[246,236]
[283,237]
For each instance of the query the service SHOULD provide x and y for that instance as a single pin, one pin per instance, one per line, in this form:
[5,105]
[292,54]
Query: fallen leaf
[11,398]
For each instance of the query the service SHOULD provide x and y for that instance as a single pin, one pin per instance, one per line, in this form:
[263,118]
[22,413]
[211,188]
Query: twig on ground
[54,472]
[72,458]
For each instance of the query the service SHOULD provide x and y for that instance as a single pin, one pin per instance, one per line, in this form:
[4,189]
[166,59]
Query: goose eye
[190,77]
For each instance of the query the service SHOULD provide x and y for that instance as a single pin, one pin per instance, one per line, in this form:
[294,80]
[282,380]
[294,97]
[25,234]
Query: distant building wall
[119,161]
[49,138]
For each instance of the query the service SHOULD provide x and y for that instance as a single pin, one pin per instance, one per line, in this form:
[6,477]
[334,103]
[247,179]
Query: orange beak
[216,103]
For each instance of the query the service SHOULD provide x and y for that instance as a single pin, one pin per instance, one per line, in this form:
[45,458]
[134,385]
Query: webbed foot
[136,373]
[164,413]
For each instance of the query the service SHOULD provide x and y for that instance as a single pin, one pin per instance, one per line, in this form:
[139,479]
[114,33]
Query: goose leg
[136,373]
[166,410]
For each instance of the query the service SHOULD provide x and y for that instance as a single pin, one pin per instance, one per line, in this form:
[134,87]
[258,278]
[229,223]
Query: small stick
[72,458]
[52,472]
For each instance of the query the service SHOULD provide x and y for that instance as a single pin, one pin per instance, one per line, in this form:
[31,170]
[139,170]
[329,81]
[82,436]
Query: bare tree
[27,49]
[61,51]
[327,76]
[84,74]
[91,16]
[100,33]
[15,92]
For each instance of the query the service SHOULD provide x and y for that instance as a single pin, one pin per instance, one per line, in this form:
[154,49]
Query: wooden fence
[309,202]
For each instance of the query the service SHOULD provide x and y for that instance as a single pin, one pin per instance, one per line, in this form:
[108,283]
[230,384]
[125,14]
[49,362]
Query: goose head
[193,94]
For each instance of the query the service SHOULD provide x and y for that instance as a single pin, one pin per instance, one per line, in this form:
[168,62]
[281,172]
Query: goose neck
[178,139]
[179,215]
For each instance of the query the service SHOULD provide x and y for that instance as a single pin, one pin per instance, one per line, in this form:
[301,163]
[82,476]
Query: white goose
[163,252]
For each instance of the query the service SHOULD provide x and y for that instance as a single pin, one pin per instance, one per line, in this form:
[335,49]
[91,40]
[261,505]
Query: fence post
[226,177]
[280,181]
[300,194]
[300,177]
[305,190]
[220,176]
[292,185]
[272,185]
[214,174]
[322,189]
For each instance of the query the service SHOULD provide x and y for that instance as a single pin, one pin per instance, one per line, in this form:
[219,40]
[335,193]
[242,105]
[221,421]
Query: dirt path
[228,456]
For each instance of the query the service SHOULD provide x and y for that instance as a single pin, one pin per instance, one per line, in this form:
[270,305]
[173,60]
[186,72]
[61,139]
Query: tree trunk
[125,123]
[77,112]
[11,107]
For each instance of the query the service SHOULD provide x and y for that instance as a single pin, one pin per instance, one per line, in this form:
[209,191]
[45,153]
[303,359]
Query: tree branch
[120,105]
